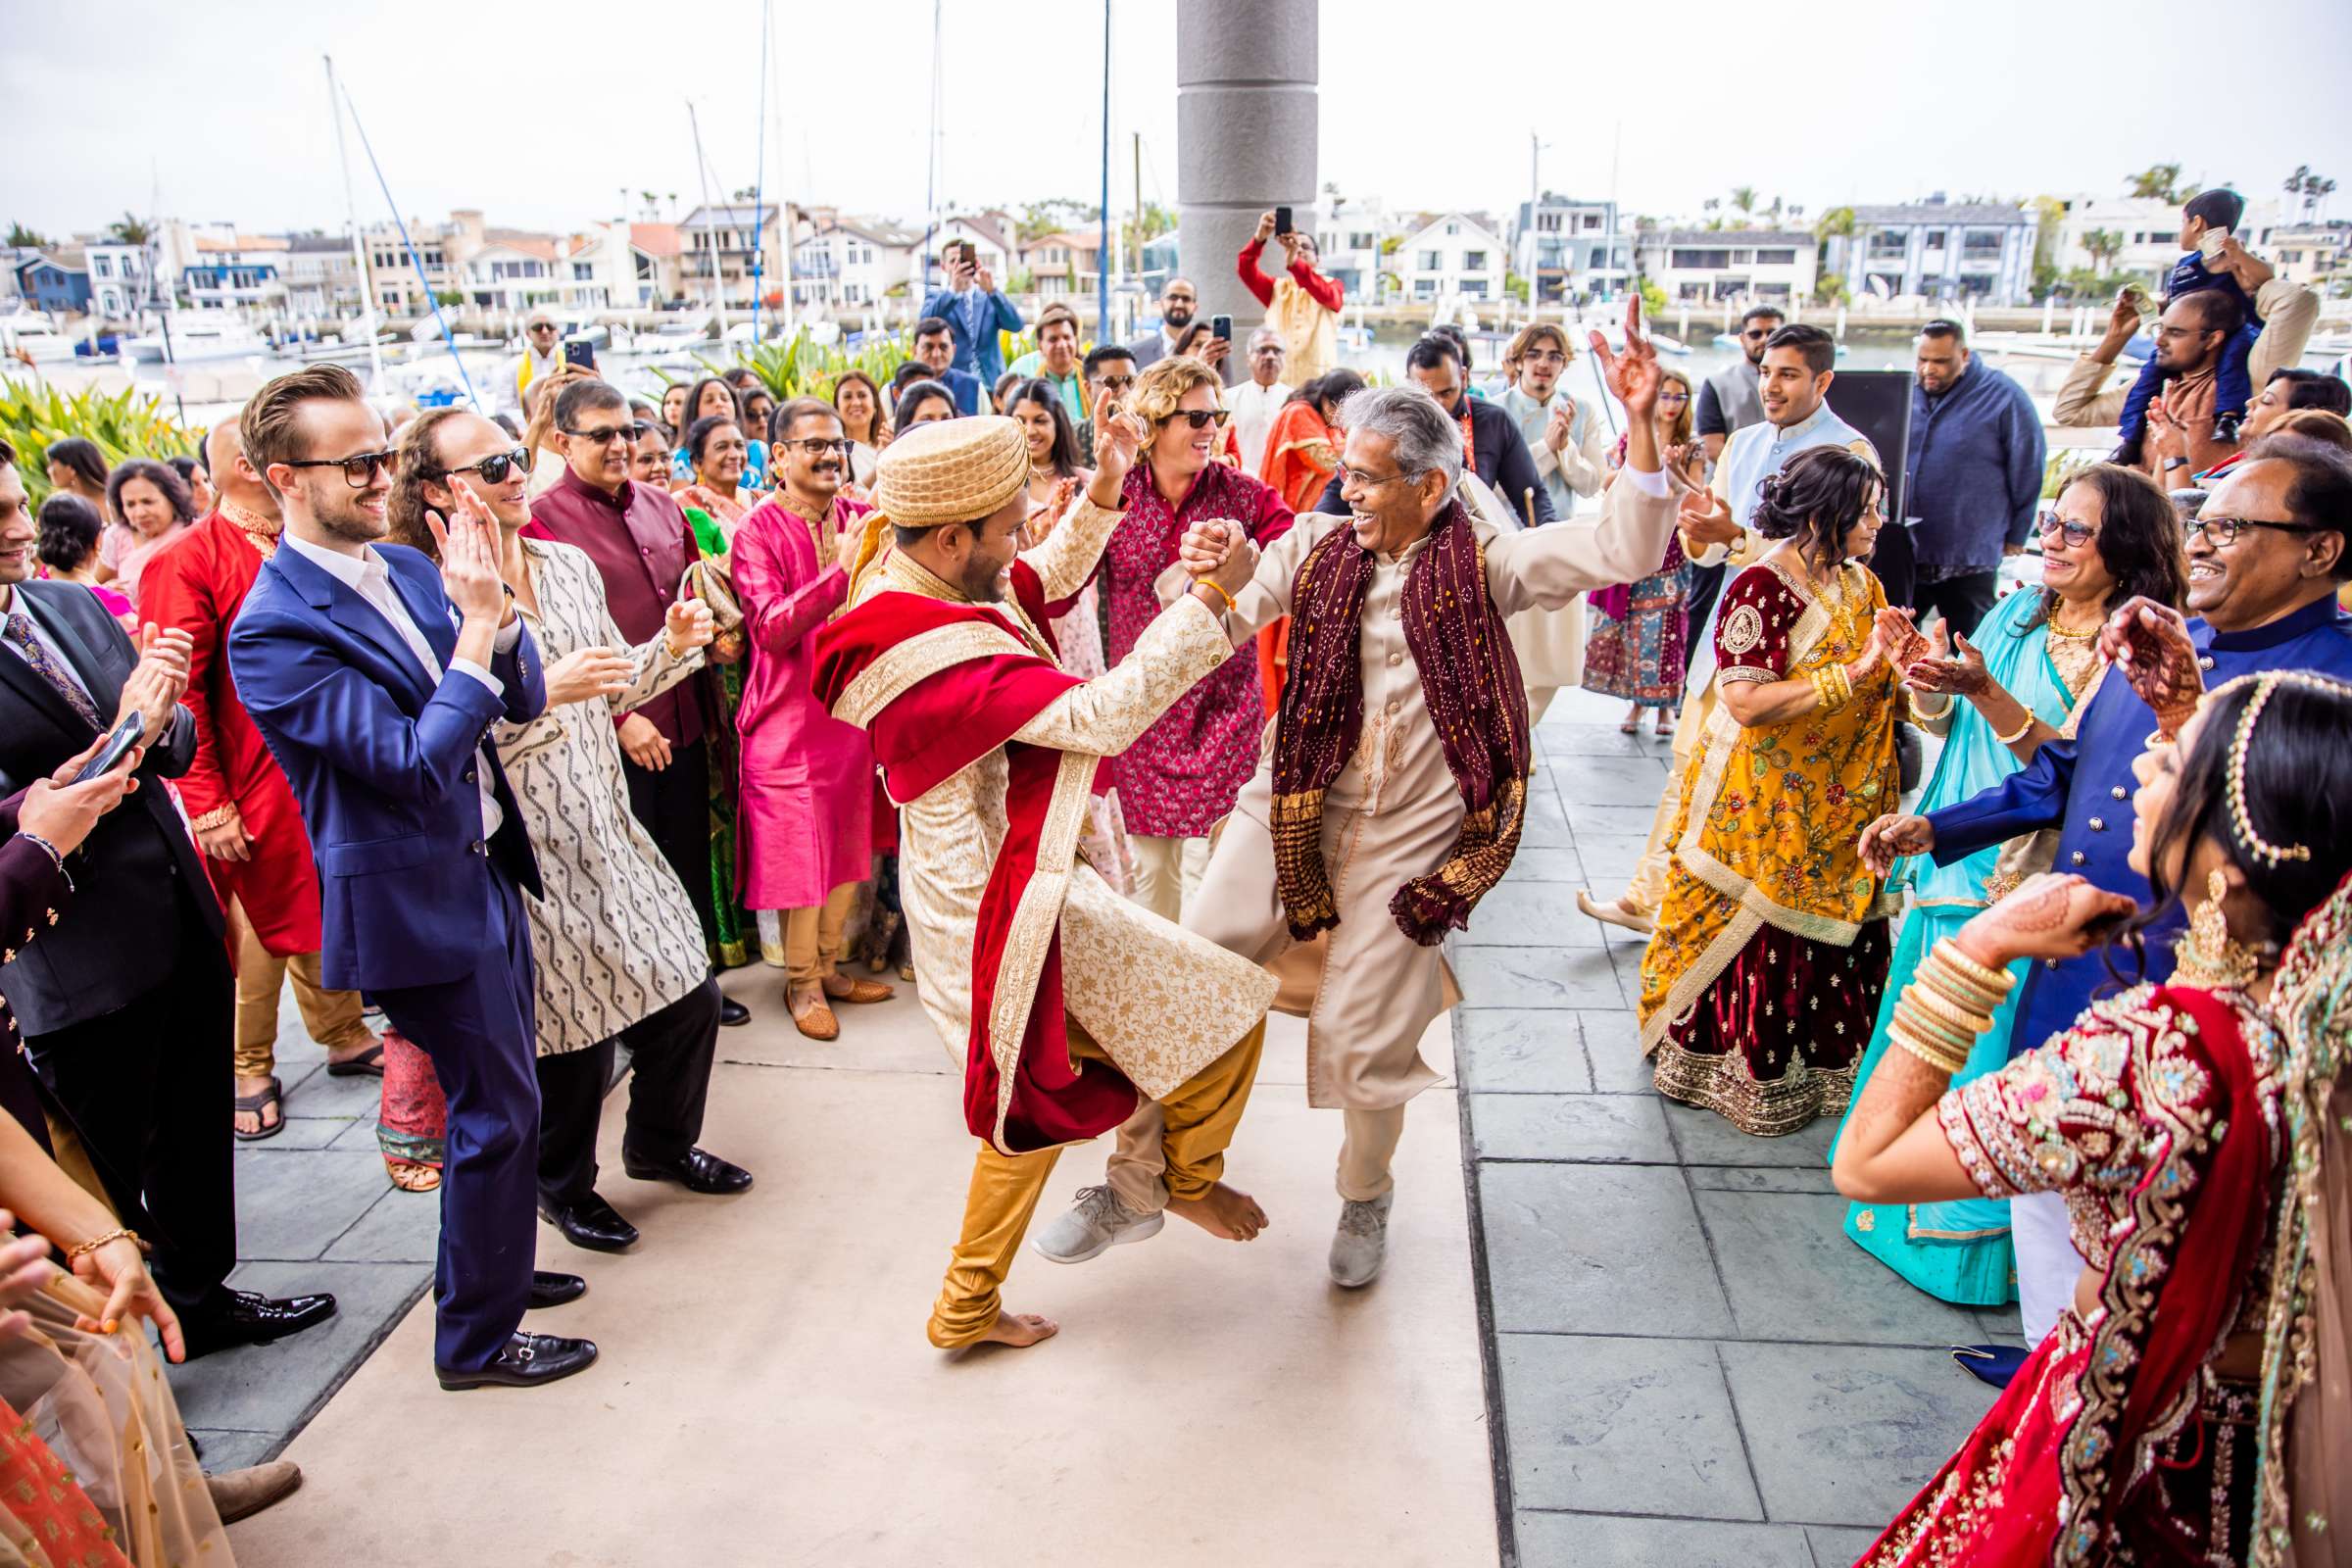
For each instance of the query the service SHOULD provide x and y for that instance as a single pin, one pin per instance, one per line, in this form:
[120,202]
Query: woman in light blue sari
[1996,697]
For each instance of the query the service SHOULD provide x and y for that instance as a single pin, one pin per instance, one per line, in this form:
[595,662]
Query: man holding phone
[1179,304]
[542,352]
[126,1001]
[1302,305]
[975,310]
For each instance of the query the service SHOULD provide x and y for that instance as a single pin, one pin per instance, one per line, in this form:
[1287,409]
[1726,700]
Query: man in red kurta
[238,802]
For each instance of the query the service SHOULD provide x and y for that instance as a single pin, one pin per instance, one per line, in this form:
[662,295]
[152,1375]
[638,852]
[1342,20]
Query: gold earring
[2205,955]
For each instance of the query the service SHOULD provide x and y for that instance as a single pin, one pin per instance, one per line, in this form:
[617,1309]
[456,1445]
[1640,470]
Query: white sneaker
[1096,1223]
[1614,913]
[1362,1243]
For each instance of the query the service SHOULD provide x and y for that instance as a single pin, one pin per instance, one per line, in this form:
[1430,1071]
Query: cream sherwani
[1369,991]
[1160,1000]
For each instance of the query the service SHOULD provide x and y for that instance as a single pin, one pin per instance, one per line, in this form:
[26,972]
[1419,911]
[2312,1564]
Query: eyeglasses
[632,431]
[493,468]
[1545,357]
[359,470]
[2223,533]
[818,446]
[1114,384]
[1361,480]
[2076,534]
[1200,419]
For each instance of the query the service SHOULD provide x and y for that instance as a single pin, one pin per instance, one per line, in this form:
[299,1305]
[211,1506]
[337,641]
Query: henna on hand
[2161,663]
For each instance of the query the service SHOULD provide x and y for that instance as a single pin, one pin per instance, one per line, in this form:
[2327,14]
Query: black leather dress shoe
[554,1290]
[523,1362]
[697,1170]
[245,1318]
[592,1223]
[732,1012]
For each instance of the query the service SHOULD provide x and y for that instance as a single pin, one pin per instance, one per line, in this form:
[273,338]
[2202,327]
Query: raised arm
[1104,716]
[1067,557]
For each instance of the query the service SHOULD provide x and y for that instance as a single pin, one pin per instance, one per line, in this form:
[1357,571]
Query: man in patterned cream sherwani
[1068,1004]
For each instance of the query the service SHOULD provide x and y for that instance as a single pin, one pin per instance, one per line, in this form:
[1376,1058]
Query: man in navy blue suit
[2270,547]
[373,676]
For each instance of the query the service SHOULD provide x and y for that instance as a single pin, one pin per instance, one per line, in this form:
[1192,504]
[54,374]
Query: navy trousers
[482,1033]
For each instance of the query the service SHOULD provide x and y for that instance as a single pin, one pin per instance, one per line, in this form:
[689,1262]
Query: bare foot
[1222,1211]
[1019,1329]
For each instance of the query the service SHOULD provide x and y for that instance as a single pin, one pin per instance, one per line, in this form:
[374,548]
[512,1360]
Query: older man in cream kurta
[1065,1002]
[1394,814]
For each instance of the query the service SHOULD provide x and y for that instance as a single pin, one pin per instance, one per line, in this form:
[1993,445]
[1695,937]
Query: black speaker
[1877,403]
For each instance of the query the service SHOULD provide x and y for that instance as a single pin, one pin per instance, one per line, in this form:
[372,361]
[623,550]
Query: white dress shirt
[21,604]
[1254,409]
[366,576]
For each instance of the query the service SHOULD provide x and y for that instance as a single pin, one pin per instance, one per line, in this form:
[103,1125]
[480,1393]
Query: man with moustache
[238,802]
[806,819]
[2271,546]
[1562,433]
[615,944]
[375,680]
[640,541]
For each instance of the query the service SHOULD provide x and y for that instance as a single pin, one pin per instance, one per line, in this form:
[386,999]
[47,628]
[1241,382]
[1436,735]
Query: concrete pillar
[1245,115]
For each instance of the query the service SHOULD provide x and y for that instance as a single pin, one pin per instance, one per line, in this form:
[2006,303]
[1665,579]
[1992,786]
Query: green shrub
[123,424]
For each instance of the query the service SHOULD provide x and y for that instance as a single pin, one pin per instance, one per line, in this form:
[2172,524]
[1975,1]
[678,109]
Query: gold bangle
[1825,687]
[2017,734]
[1209,583]
[1928,1025]
[1958,990]
[1936,1060]
[1997,981]
[213,818]
[1844,678]
[1937,1006]
[120,1233]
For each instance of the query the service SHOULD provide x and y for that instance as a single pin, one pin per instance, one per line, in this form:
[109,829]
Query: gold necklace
[2056,630]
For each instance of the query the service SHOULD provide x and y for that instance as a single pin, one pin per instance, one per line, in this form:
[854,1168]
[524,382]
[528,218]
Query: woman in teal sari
[1996,697]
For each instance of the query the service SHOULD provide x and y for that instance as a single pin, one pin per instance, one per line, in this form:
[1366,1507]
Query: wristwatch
[2170,463]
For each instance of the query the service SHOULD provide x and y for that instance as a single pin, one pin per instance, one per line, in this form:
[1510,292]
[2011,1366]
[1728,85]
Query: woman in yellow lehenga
[1759,988]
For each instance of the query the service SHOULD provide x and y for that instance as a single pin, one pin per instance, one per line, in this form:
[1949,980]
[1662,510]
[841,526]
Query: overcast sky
[543,114]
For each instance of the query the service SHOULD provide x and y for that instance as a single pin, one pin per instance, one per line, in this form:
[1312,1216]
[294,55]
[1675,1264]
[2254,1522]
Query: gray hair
[1267,334]
[1424,434]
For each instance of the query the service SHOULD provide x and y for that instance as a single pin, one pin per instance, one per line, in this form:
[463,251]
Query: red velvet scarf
[1477,701]
[928,734]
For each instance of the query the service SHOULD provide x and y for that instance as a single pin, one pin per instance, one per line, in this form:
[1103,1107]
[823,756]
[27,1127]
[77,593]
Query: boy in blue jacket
[2205,223]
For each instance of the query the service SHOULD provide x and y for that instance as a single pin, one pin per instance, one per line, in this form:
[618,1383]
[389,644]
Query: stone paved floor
[1689,1361]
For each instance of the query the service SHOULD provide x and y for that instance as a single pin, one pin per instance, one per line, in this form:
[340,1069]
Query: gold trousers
[1201,1116]
[811,937]
[331,1016]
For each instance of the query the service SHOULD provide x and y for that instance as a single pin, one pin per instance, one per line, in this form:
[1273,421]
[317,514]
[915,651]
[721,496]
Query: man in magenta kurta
[1181,777]
[805,830]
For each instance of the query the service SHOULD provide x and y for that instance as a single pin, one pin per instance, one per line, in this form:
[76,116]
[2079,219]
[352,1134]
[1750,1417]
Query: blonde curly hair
[1161,388]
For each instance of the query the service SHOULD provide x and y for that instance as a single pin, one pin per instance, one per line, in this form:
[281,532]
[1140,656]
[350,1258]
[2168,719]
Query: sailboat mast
[358,249]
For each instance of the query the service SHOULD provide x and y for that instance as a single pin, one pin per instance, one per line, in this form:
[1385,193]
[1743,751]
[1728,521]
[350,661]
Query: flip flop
[275,1095]
[369,1064]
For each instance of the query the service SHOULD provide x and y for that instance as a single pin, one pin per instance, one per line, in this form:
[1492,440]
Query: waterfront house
[661,250]
[119,283]
[722,241]
[1348,239]
[1940,250]
[1737,266]
[1062,264]
[55,280]
[2312,254]
[226,270]
[1452,256]
[1568,248]
[322,276]
[851,262]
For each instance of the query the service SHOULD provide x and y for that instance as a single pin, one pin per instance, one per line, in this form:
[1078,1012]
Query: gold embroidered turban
[951,470]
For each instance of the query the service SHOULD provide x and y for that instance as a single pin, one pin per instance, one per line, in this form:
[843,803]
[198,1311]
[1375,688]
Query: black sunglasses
[634,431]
[359,470]
[1201,418]
[493,468]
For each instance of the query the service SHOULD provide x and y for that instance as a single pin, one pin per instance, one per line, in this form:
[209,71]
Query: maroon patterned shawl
[1470,680]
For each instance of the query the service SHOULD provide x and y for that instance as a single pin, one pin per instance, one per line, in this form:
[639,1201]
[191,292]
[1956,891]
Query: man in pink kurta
[805,818]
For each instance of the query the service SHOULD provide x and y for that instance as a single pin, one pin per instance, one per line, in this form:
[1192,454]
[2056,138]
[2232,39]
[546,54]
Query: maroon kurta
[1182,775]
[641,544]
[197,583]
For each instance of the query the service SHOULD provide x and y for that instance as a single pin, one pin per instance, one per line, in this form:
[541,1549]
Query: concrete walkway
[1684,1360]
[767,1394]
[1689,1362]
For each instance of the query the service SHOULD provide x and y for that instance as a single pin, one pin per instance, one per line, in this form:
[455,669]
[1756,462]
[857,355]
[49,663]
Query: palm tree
[2294,185]
[1743,197]
[130,229]
[24,237]
[2160,182]
[2104,246]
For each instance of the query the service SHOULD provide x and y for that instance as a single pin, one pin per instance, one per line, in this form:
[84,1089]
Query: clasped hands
[1217,550]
